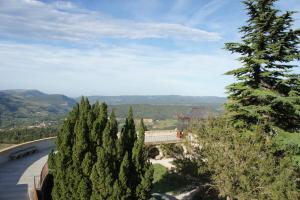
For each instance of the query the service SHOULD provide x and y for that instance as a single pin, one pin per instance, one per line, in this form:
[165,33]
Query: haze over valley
[23,108]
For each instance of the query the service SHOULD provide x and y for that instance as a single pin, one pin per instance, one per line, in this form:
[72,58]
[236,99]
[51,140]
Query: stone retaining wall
[41,144]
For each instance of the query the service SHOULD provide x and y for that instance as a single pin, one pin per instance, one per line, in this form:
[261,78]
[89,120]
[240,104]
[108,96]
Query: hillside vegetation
[22,108]
[211,101]
[29,107]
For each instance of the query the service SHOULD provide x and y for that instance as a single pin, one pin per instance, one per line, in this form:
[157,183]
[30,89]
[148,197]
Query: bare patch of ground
[3,146]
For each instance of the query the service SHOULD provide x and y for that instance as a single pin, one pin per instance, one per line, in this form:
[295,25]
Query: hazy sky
[110,47]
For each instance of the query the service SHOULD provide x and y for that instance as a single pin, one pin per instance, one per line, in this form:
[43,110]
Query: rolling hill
[29,107]
[161,100]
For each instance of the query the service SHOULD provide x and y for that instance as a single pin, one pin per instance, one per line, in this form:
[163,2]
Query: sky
[121,47]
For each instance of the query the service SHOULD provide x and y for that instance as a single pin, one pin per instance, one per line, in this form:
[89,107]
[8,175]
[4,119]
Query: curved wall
[41,144]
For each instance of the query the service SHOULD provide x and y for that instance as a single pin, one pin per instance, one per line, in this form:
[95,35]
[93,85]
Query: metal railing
[44,173]
[39,181]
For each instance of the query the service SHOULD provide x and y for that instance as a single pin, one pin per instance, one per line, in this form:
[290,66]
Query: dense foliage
[158,112]
[245,166]
[19,135]
[171,150]
[267,90]
[93,162]
[238,158]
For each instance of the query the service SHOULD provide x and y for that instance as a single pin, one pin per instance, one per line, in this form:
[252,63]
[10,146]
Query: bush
[243,165]
[171,150]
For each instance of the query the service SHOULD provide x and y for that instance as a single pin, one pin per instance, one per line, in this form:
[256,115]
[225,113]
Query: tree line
[20,135]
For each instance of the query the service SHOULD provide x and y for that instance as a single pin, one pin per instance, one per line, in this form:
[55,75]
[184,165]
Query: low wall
[160,132]
[41,144]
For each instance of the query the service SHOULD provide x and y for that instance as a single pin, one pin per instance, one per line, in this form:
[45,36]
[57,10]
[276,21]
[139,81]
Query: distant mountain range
[27,107]
[160,100]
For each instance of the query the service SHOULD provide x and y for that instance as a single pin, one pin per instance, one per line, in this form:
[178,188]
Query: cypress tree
[99,125]
[132,133]
[127,136]
[92,162]
[84,189]
[143,169]
[138,153]
[81,150]
[123,182]
[87,164]
[267,90]
[81,140]
[62,160]
[101,177]
[113,126]
[145,185]
[138,180]
[121,142]
[104,171]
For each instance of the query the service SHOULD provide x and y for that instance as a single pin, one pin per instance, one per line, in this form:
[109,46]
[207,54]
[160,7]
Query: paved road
[16,177]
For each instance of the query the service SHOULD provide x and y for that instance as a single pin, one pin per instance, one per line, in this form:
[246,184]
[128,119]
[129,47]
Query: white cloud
[31,19]
[205,11]
[112,70]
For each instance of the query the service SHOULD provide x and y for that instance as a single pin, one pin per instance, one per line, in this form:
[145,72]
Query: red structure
[183,121]
[43,185]
[179,134]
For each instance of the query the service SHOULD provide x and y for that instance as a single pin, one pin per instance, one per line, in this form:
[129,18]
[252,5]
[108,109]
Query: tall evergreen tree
[61,162]
[267,90]
[123,180]
[143,168]
[127,136]
[80,150]
[99,125]
[92,162]
[101,177]
[104,170]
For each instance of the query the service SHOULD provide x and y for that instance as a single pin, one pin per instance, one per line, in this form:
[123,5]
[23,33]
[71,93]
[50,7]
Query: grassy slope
[168,182]
[27,107]
[288,138]
[291,139]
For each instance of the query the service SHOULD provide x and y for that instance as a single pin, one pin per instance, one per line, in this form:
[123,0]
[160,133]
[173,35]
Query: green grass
[159,172]
[164,124]
[289,139]
[297,159]
[168,182]
[285,138]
